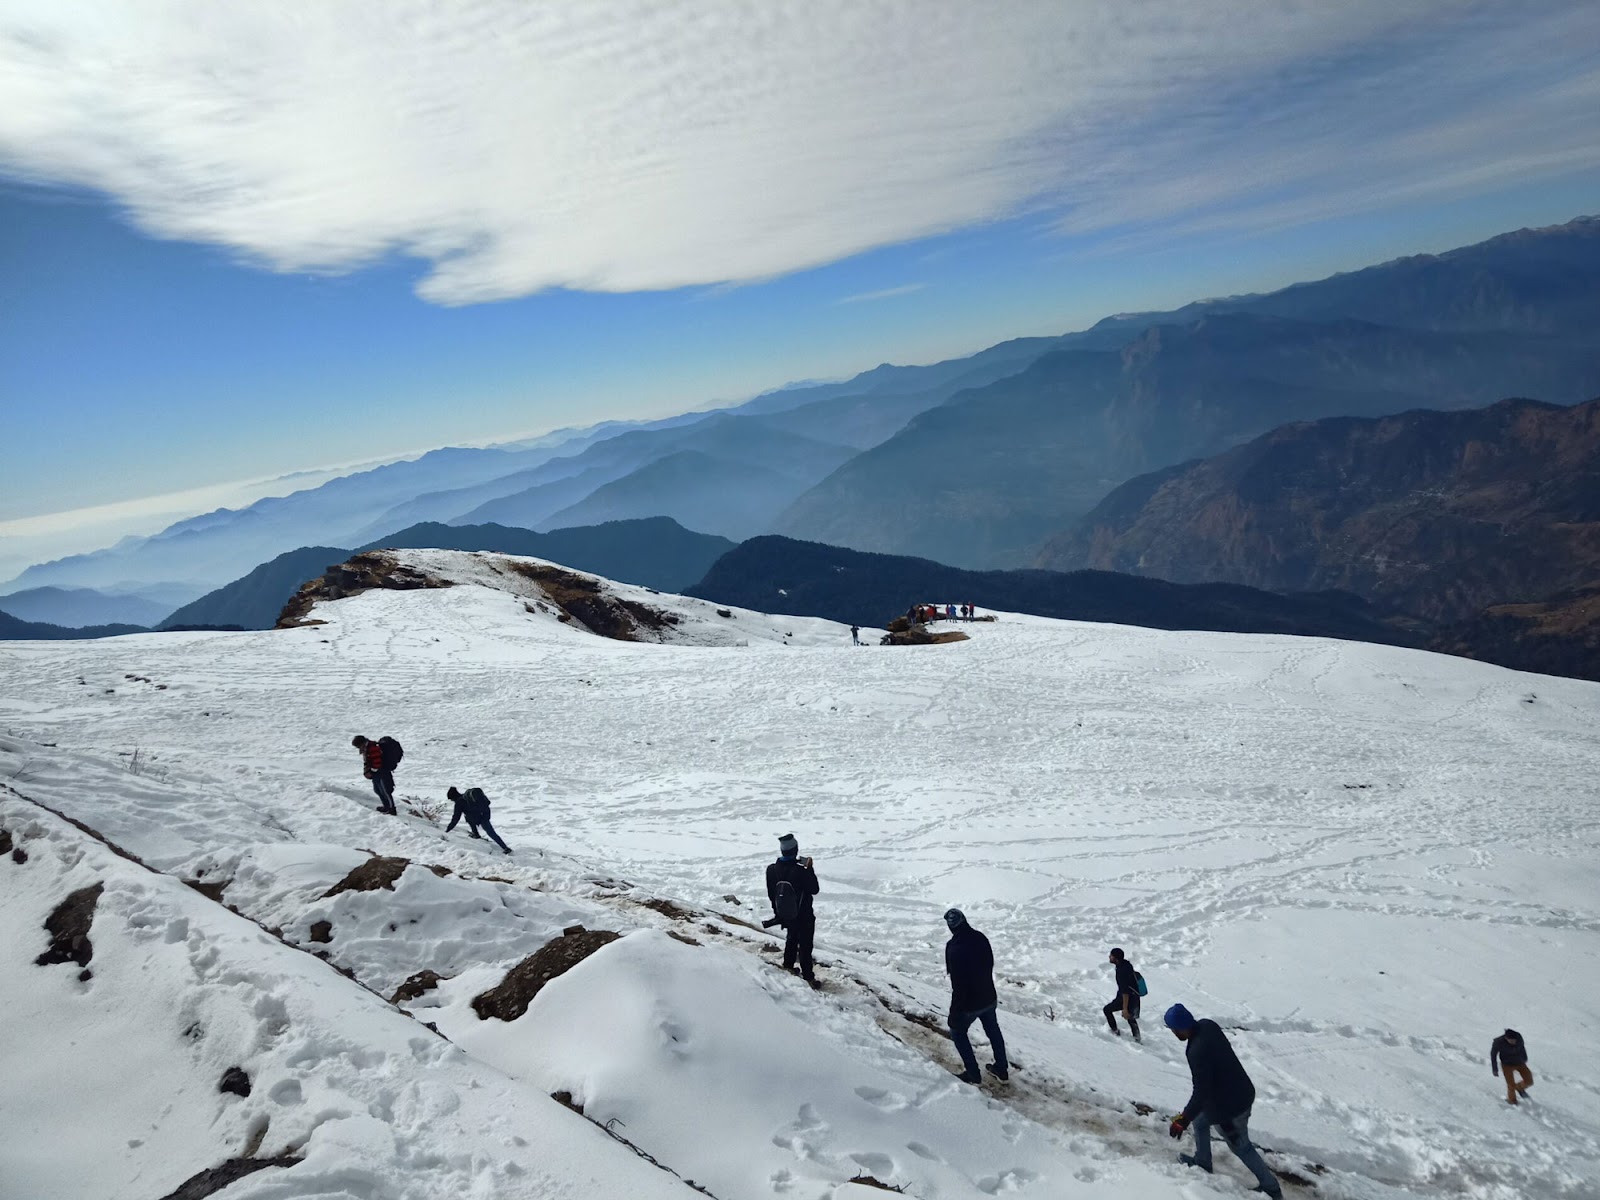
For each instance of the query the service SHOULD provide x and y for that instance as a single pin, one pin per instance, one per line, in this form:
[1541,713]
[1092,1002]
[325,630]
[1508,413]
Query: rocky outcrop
[364,572]
[510,998]
[1559,635]
[377,872]
[1438,514]
[68,927]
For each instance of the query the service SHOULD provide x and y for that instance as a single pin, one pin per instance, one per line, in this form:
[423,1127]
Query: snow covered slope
[1363,861]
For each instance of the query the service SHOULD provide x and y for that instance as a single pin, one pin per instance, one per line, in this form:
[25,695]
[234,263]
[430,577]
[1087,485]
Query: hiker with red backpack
[378,761]
[1130,986]
[791,882]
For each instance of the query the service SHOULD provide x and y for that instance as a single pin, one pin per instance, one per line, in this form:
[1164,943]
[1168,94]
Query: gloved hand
[1495,1071]
[1179,1124]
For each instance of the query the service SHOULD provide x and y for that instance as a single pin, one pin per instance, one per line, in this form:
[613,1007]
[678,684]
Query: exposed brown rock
[211,889]
[423,981]
[235,1081]
[582,599]
[68,926]
[918,635]
[510,998]
[322,931]
[365,572]
[377,872]
[213,1179]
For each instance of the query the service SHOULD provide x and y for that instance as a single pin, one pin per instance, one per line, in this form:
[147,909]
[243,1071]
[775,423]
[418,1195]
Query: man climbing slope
[791,882]
[969,961]
[1126,1000]
[1510,1053]
[378,761]
[1222,1097]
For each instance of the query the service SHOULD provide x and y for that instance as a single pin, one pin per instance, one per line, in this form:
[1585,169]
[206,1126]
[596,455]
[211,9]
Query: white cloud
[888,293]
[516,145]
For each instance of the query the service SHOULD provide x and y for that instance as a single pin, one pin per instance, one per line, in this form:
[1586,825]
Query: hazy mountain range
[979,461]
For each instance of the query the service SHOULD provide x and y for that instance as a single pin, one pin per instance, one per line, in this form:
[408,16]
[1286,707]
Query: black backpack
[392,753]
[476,800]
[785,902]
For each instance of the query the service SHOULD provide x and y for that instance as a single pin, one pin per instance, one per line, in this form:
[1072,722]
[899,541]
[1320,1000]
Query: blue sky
[199,289]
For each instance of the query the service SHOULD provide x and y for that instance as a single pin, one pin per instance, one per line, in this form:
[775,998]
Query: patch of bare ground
[365,572]
[213,1179]
[68,926]
[583,600]
[412,989]
[510,998]
[872,1182]
[920,635]
[377,872]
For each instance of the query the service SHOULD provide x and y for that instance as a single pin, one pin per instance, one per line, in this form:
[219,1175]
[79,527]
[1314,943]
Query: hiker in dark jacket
[1126,1000]
[473,805]
[378,767]
[1510,1052]
[1222,1097]
[969,961]
[800,926]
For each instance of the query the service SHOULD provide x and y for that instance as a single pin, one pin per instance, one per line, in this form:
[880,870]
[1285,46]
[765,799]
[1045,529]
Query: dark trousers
[1235,1131]
[797,944]
[383,784]
[1111,1010]
[960,1022]
[483,824]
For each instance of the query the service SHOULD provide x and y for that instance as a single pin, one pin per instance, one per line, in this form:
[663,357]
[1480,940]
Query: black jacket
[1221,1088]
[1127,980]
[803,878]
[1511,1054]
[970,963]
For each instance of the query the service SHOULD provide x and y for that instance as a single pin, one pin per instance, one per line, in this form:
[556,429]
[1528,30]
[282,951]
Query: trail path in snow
[1365,861]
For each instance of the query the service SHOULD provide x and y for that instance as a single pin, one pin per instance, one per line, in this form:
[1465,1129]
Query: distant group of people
[378,761]
[921,614]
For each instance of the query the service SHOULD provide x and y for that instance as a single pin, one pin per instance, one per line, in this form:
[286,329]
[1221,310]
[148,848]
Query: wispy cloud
[618,145]
[905,289]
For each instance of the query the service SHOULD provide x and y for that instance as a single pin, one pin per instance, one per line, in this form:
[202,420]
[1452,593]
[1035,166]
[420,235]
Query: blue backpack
[1138,982]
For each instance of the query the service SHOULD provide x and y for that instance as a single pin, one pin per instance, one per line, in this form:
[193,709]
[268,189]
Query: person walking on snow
[1510,1052]
[1126,1001]
[855,635]
[1222,1097]
[791,882]
[378,761]
[969,961]
[474,806]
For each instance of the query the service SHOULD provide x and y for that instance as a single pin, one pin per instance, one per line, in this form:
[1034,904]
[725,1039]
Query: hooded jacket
[969,960]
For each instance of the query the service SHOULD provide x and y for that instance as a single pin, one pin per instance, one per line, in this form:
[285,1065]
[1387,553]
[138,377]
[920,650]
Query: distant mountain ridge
[657,553]
[977,460]
[812,580]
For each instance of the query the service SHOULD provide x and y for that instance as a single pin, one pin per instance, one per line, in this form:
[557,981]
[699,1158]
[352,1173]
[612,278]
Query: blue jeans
[960,1022]
[1235,1131]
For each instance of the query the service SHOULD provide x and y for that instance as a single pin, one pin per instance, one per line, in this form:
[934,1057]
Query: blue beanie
[955,918]
[1178,1018]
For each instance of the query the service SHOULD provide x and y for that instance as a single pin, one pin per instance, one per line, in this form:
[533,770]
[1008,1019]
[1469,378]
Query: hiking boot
[995,1070]
[508,849]
[1136,1036]
[812,980]
[1188,1160]
[968,1076]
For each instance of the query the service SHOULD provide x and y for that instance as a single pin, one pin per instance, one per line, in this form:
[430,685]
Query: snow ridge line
[277,935]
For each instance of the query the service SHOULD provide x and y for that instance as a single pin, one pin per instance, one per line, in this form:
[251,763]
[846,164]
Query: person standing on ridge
[1510,1052]
[969,961]
[1126,1000]
[378,761]
[855,635]
[474,806]
[1222,1097]
[791,882]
